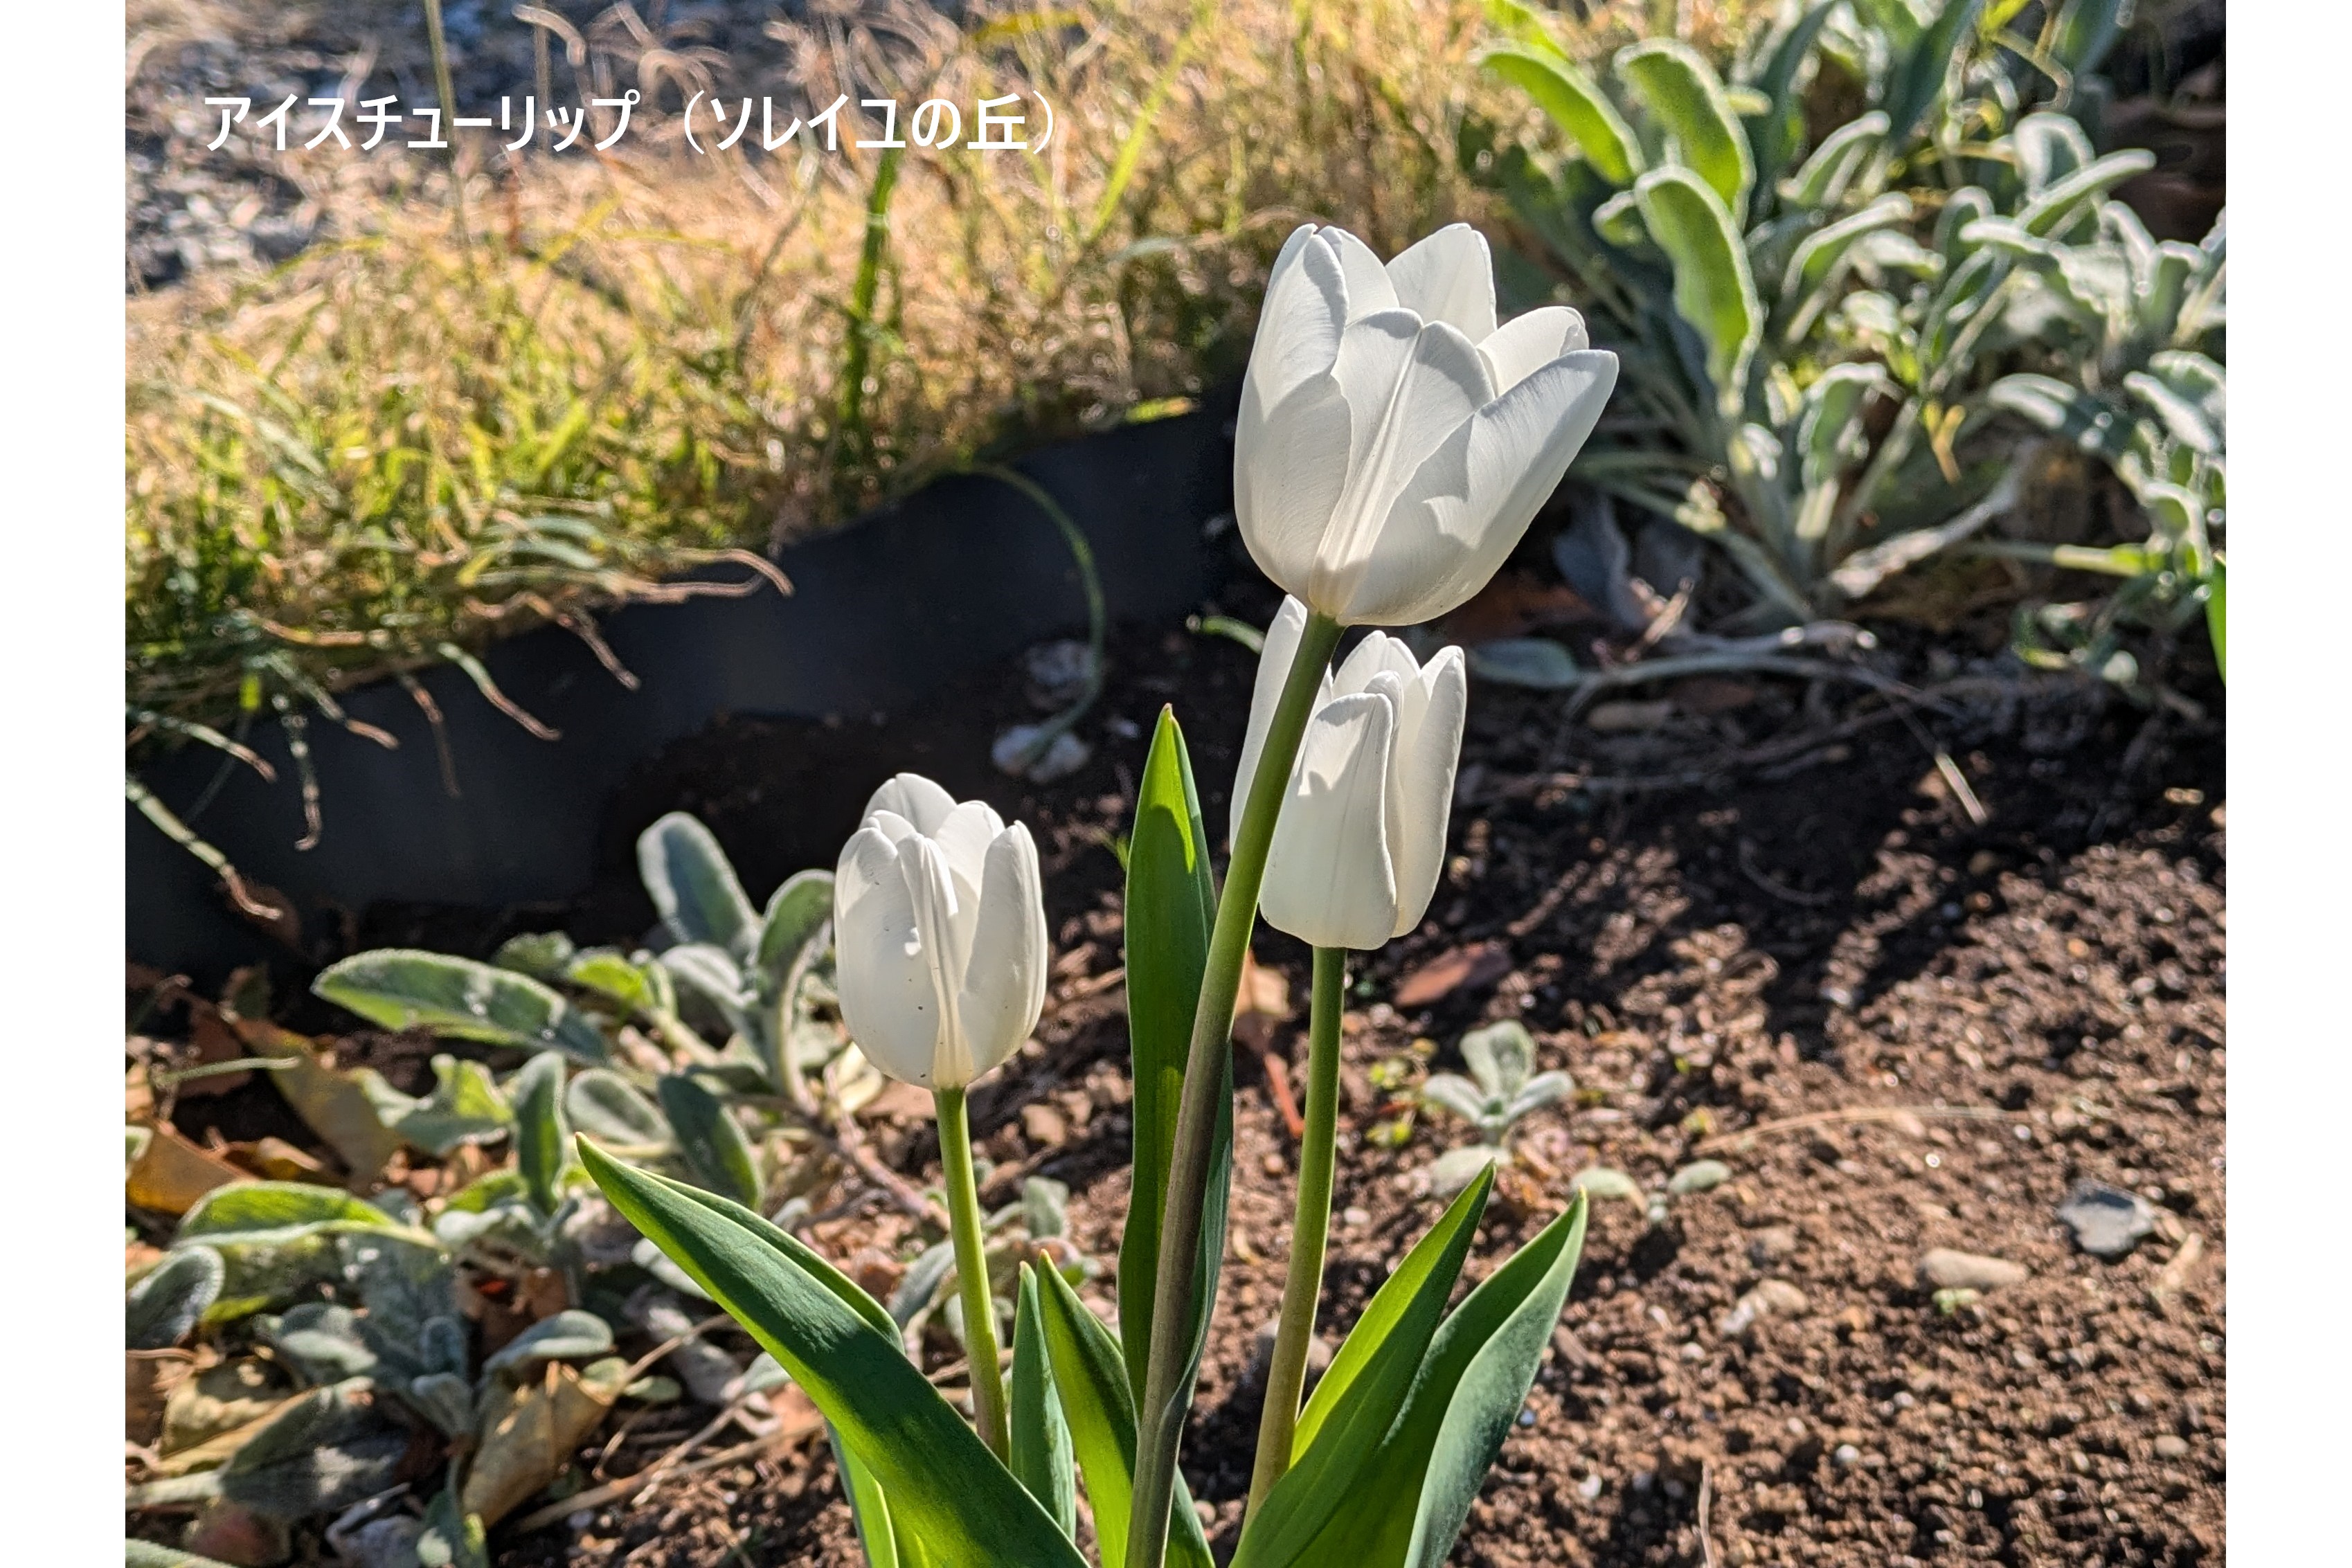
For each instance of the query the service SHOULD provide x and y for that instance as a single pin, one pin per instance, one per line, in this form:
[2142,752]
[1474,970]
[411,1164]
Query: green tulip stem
[1169,1368]
[971,1270]
[1286,1374]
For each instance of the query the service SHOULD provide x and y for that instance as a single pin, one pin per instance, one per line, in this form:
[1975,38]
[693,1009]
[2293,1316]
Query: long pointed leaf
[1040,1435]
[1353,1407]
[839,1345]
[1091,1380]
[1469,1391]
[1171,904]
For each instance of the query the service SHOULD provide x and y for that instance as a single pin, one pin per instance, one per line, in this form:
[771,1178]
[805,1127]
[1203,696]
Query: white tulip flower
[1394,442]
[1361,835]
[938,924]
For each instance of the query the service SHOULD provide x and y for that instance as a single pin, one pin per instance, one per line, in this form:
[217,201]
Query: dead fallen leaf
[1512,605]
[171,1173]
[149,1377]
[331,1102]
[216,1402]
[275,1159]
[228,1532]
[214,1041]
[900,1102]
[1628,718]
[1456,969]
[1707,695]
[529,1434]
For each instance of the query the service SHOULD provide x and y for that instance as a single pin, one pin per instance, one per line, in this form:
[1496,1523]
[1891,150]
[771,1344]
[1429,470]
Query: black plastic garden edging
[961,575]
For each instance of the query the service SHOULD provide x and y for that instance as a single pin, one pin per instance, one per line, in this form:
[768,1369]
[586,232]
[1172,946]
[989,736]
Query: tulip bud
[1361,835]
[1394,442]
[939,922]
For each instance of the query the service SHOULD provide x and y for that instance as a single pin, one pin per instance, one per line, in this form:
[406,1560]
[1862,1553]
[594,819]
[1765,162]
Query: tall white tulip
[1394,442]
[939,927]
[1361,835]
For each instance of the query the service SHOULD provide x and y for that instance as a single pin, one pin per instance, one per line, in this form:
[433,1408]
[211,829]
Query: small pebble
[1943,1268]
[1847,1454]
[2108,1221]
[1354,1216]
[2169,1447]
[1589,1489]
[1771,1244]
[1527,1417]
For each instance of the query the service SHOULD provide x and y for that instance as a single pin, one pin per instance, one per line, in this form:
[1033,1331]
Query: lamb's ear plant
[1395,443]
[1503,1088]
[1822,344]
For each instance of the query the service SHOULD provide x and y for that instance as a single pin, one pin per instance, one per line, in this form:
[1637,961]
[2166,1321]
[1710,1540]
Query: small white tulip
[1394,442]
[1361,837]
[939,921]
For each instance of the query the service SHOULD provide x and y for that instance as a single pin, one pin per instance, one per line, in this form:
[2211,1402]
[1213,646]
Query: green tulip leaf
[1341,1430]
[458,999]
[1466,1397]
[942,1485]
[1090,1378]
[711,1139]
[693,887]
[1714,291]
[1575,103]
[1171,904]
[1685,98]
[1040,1435]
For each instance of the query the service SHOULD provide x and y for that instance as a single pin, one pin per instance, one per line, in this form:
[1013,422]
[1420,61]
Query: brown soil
[2014,1005]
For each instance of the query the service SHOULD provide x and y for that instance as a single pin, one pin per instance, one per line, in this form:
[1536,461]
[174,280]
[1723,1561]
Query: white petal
[1525,344]
[913,796]
[1368,287]
[1273,661]
[963,835]
[1448,277]
[1004,988]
[890,825]
[1406,397]
[1290,467]
[889,995]
[1299,327]
[1328,879]
[1470,502]
[1430,718]
[1375,653]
